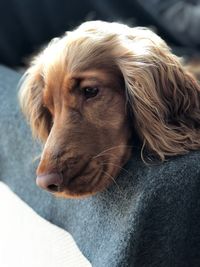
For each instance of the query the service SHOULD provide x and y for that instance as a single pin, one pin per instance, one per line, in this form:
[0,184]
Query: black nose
[50,182]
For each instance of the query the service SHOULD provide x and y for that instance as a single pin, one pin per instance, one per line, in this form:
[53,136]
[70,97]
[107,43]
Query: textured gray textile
[152,218]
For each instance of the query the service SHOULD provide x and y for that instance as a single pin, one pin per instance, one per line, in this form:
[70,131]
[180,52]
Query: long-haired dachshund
[89,93]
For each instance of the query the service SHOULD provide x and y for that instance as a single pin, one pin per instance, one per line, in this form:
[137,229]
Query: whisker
[110,149]
[111,154]
[121,168]
[113,179]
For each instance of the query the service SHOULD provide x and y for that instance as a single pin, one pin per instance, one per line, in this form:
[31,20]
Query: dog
[88,94]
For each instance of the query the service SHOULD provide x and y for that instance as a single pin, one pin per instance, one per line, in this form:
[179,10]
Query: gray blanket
[150,218]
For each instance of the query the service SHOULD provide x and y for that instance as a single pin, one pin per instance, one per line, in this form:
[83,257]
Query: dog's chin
[94,179]
[70,195]
[83,187]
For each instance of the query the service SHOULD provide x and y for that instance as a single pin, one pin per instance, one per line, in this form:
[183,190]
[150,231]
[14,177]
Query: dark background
[26,25]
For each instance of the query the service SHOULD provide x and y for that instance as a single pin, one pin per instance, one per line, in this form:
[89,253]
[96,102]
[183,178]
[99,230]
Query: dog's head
[87,94]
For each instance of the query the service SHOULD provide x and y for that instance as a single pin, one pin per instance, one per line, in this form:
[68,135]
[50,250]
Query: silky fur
[161,99]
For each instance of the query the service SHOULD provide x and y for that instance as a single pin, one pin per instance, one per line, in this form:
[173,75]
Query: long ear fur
[164,98]
[30,98]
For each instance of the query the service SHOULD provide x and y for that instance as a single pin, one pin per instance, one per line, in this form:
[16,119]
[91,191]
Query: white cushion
[26,239]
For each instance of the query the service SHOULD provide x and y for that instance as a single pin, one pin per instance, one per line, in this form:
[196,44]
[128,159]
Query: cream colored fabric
[27,240]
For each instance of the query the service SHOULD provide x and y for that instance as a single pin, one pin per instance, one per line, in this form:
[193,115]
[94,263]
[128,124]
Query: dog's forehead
[62,69]
[77,53]
[68,81]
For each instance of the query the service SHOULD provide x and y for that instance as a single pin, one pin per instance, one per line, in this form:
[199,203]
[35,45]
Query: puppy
[88,94]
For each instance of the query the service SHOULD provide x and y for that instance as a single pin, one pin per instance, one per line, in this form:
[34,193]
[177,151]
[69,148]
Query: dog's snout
[50,182]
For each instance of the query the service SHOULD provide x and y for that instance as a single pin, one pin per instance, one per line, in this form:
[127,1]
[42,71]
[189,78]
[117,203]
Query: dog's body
[89,93]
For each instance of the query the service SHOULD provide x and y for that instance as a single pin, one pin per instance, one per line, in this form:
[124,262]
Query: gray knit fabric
[150,218]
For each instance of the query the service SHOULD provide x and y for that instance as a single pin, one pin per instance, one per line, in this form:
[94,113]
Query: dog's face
[81,91]
[88,140]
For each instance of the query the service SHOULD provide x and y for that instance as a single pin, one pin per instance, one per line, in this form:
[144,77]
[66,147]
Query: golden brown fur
[138,77]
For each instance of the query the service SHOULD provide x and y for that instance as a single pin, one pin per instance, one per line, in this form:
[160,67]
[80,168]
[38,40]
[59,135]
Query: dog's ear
[30,98]
[164,98]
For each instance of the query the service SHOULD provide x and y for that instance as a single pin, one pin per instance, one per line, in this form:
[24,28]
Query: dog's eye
[90,92]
